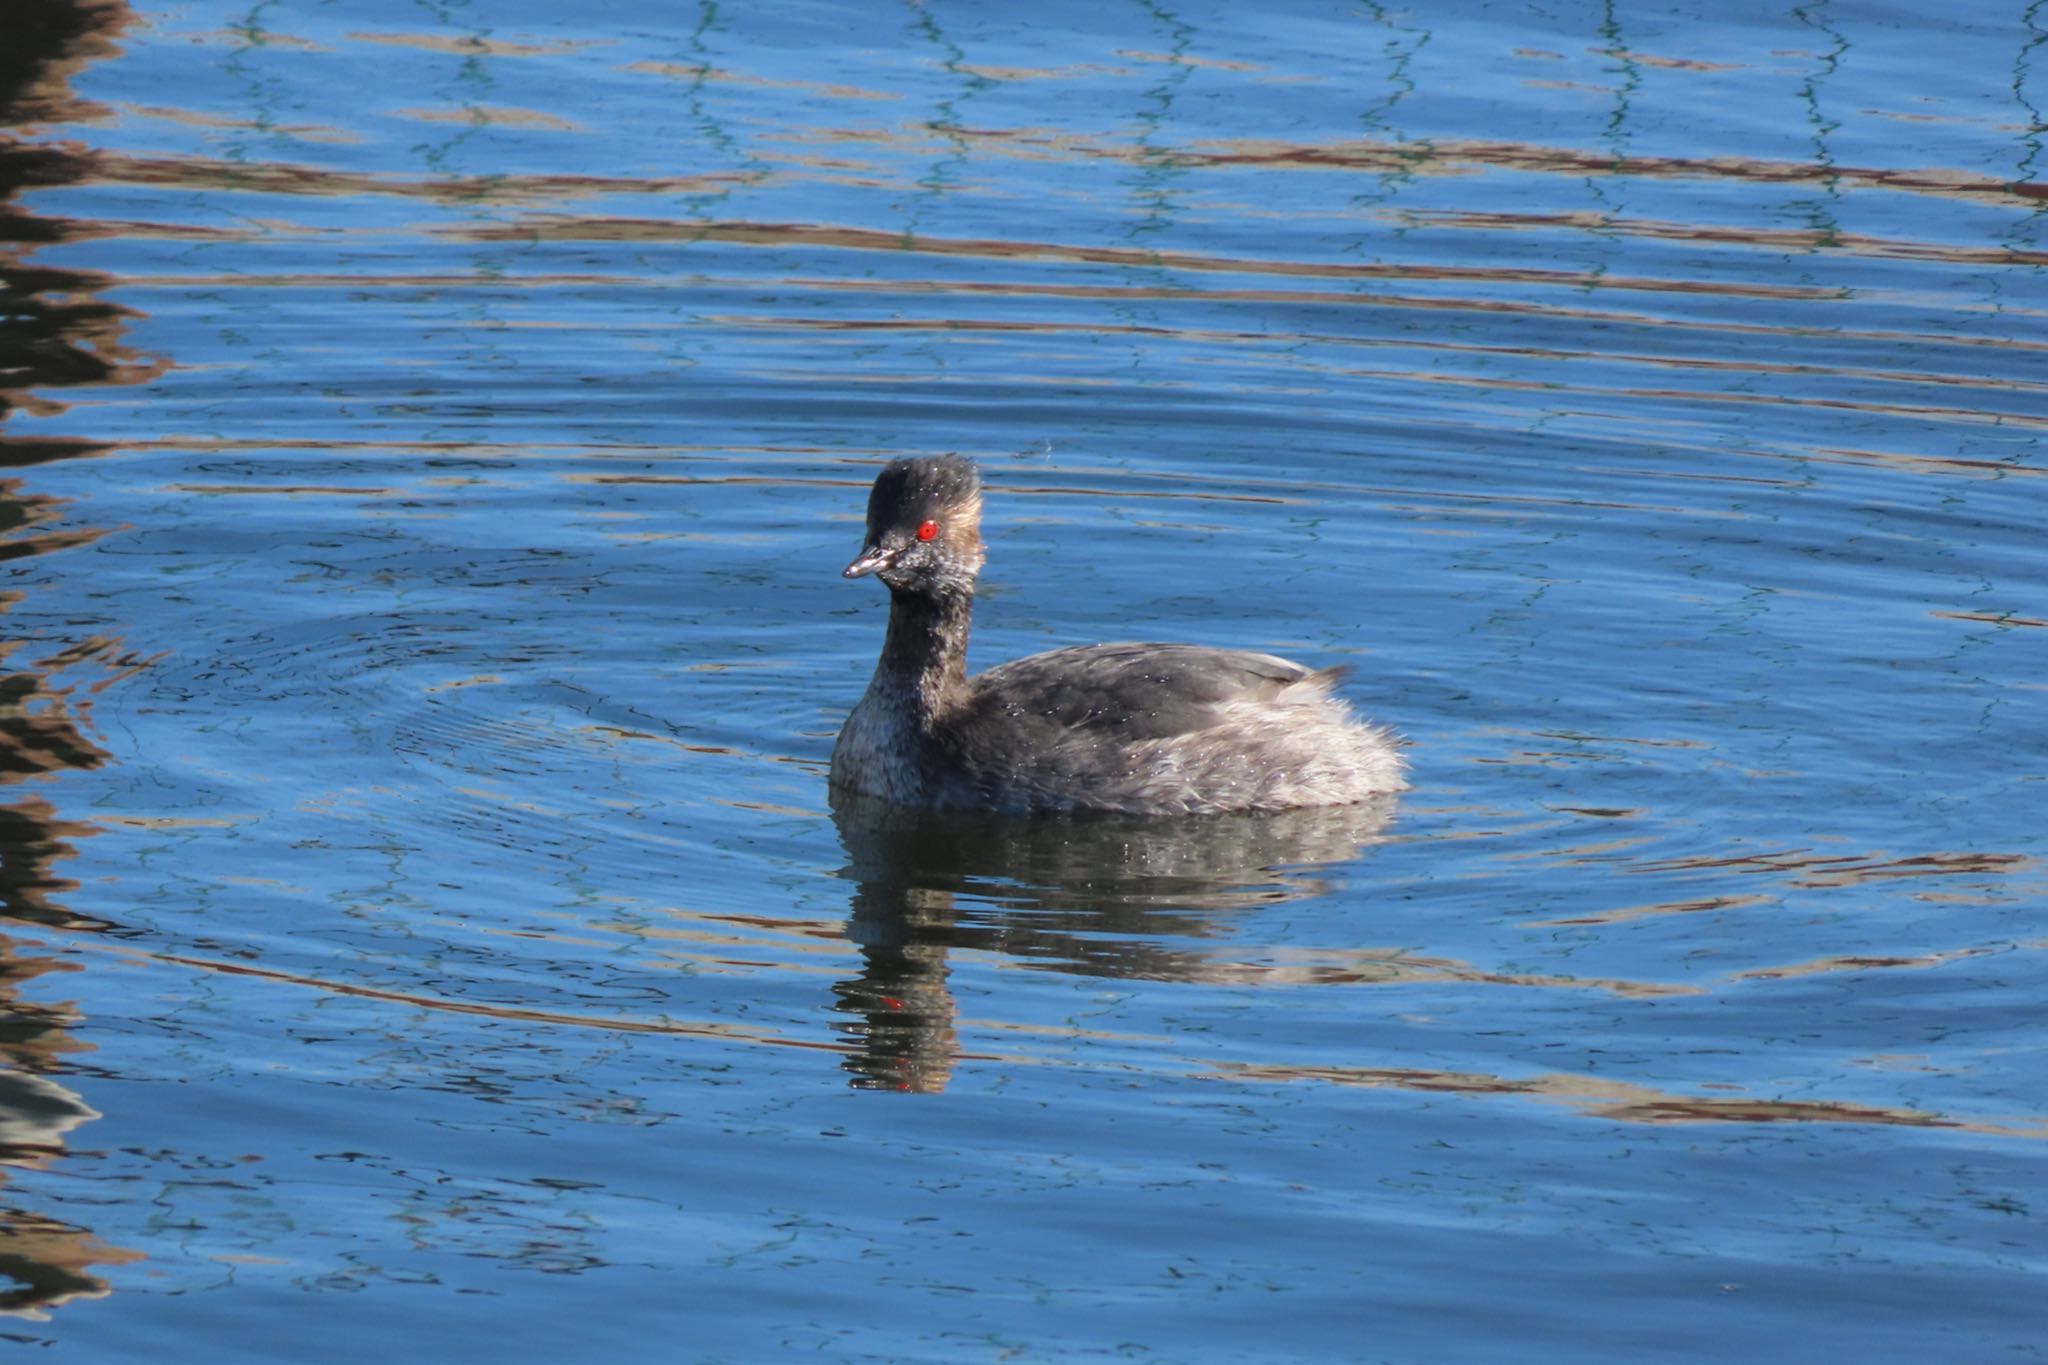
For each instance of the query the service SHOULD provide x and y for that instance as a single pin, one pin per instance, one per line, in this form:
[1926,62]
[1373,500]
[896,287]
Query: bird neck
[924,655]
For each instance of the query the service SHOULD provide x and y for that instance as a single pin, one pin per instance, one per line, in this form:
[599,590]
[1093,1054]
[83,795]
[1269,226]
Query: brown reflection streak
[555,227]
[194,172]
[728,1033]
[1450,156]
[1461,157]
[493,115]
[1864,963]
[720,76]
[24,546]
[1586,737]
[1912,463]
[718,750]
[284,489]
[1625,1103]
[1772,239]
[1837,873]
[711,939]
[1185,59]
[1692,907]
[1671,63]
[1850,869]
[472,46]
[1993,619]
[192,118]
[1073,71]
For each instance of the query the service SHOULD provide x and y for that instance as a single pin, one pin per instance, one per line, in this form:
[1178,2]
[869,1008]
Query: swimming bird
[1143,729]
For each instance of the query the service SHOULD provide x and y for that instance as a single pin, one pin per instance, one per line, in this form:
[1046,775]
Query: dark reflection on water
[1093,896]
[41,713]
[54,332]
[1357,157]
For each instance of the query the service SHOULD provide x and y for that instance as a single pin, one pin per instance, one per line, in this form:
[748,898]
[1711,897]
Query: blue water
[432,435]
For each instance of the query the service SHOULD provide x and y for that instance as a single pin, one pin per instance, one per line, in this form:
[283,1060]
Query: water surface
[433,434]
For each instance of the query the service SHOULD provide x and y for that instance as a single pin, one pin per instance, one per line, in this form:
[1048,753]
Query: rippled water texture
[433,432]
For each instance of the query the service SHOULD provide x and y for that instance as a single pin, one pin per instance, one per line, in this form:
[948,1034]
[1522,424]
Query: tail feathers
[1325,680]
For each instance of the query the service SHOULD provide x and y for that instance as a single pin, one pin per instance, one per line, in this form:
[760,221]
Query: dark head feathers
[923,488]
[924,525]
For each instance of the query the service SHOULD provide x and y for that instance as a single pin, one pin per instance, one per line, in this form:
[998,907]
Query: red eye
[928,530]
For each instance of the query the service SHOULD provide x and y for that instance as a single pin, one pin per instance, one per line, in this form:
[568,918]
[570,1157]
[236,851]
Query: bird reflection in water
[1100,896]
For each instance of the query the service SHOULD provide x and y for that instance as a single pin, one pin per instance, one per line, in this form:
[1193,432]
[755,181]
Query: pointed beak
[871,558]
